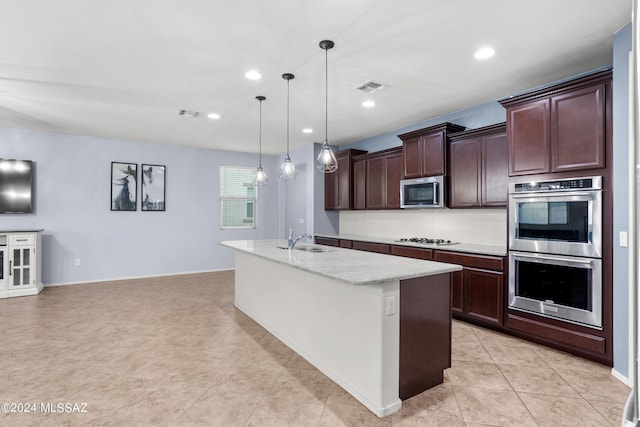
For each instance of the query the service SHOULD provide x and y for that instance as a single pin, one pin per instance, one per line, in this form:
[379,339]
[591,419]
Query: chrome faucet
[291,242]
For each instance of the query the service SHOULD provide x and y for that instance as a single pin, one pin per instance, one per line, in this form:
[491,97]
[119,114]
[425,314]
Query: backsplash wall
[477,226]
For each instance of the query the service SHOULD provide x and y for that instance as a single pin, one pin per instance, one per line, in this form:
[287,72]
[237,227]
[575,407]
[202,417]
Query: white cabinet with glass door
[22,275]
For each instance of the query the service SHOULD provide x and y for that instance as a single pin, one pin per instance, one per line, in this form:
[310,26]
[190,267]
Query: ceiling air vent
[189,113]
[371,87]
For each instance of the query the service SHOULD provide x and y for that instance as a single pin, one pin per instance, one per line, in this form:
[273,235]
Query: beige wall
[477,226]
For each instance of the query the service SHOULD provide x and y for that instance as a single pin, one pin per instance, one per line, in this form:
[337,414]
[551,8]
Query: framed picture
[153,181]
[124,186]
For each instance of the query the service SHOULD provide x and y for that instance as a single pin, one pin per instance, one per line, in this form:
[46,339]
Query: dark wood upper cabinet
[338,186]
[495,169]
[331,191]
[425,150]
[359,184]
[529,143]
[465,173]
[412,157]
[478,162]
[344,182]
[434,154]
[376,183]
[559,128]
[392,181]
[578,129]
[377,179]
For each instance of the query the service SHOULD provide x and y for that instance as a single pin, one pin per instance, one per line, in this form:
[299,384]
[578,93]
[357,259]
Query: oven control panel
[584,183]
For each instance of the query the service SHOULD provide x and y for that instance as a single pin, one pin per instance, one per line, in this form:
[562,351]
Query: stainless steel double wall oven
[555,249]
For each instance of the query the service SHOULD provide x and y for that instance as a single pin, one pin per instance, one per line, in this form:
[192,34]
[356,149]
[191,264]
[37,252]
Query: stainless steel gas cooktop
[427,241]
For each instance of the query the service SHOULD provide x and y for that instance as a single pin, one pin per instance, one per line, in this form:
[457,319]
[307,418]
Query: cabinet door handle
[21,240]
[10,267]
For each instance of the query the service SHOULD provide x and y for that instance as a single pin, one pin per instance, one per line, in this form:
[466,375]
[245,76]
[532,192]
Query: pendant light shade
[287,169]
[326,160]
[261,176]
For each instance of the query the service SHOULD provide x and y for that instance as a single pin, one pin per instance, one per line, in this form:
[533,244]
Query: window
[237,197]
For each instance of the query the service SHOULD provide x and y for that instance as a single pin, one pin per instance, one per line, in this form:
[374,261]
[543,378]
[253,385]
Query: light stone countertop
[494,250]
[347,265]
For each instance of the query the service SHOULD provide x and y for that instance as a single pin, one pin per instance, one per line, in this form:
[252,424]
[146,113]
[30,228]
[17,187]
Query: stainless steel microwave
[422,192]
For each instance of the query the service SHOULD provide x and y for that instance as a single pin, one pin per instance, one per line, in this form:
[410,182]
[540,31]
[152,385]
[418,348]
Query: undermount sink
[311,249]
[306,248]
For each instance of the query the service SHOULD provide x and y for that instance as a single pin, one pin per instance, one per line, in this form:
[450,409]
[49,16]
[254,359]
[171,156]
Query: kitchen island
[377,325]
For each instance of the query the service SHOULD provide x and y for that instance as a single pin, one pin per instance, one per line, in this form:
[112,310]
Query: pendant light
[287,169]
[261,177]
[326,161]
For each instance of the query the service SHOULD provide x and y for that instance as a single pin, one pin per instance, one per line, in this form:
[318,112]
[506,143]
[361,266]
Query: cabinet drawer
[409,252]
[568,337]
[346,244]
[372,247]
[477,261]
[21,239]
[327,241]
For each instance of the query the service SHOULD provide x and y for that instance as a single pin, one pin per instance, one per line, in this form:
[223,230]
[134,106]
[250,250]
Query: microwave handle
[436,193]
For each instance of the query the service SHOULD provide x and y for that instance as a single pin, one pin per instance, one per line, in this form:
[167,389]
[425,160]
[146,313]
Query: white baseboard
[135,277]
[617,375]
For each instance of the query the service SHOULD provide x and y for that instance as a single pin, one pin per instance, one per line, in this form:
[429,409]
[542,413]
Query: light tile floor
[173,351]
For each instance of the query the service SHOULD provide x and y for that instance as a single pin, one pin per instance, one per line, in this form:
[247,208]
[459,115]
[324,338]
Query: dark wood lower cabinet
[477,292]
[327,241]
[411,252]
[484,295]
[479,296]
[457,293]
[425,339]
[347,244]
[592,344]
[380,248]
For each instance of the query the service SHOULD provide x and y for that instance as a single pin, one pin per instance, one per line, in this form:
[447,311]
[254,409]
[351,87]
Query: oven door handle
[540,195]
[557,260]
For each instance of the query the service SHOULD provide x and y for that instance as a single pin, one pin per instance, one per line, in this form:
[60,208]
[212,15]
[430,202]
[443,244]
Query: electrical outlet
[391,305]
[624,239]
[77,262]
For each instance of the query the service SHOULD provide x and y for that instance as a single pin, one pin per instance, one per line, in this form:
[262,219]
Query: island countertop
[347,265]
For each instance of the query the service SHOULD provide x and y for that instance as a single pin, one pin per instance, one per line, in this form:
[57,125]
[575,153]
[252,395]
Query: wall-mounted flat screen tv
[15,186]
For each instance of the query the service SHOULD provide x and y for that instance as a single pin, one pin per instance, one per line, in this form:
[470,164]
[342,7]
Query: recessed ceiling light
[368,103]
[214,116]
[307,130]
[253,75]
[484,53]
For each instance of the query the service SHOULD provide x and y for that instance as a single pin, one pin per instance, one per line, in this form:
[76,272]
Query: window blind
[237,197]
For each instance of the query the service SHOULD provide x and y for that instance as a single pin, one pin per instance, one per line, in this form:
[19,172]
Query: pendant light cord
[288,117]
[326,96]
[260,137]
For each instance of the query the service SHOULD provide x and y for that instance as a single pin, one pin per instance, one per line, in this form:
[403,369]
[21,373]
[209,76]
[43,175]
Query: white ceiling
[124,68]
